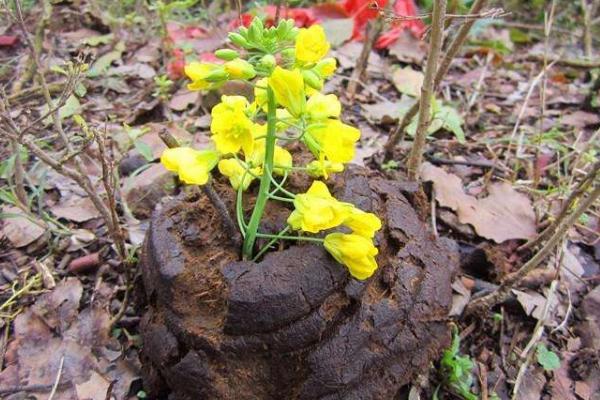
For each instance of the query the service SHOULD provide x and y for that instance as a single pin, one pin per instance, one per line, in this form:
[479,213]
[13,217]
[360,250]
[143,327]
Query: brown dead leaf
[182,100]
[75,208]
[54,329]
[408,49]
[560,387]
[504,214]
[18,228]
[580,119]
[408,81]
[348,54]
[93,389]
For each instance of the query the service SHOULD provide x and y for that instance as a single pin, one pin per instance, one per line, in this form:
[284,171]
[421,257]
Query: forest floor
[516,126]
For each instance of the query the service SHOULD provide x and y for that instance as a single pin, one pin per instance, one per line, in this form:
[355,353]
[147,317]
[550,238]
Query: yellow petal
[288,87]
[363,223]
[320,106]
[311,44]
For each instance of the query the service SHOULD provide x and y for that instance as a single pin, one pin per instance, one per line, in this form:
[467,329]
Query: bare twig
[57,381]
[435,45]
[374,28]
[171,142]
[576,194]
[502,293]
[453,49]
[587,29]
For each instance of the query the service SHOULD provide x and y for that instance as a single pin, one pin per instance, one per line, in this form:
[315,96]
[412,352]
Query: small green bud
[312,79]
[227,54]
[289,54]
[267,62]
[238,40]
[255,31]
[239,69]
[217,75]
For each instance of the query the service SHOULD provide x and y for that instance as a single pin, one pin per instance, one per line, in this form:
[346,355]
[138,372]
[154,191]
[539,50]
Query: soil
[294,325]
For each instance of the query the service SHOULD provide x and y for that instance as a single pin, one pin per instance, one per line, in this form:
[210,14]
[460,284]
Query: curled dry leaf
[504,214]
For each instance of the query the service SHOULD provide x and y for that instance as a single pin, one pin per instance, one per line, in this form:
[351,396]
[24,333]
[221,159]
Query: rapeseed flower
[320,106]
[238,172]
[354,251]
[288,87]
[311,44]
[334,139]
[363,223]
[192,166]
[317,210]
[199,72]
[232,129]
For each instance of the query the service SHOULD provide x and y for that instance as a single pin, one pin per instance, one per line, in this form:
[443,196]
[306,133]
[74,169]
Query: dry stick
[435,45]
[532,86]
[171,142]
[374,29]
[587,29]
[81,178]
[574,197]
[503,292]
[451,52]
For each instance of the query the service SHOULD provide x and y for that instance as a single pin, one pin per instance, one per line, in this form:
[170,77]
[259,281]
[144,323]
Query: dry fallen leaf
[18,228]
[75,208]
[54,329]
[504,214]
[408,81]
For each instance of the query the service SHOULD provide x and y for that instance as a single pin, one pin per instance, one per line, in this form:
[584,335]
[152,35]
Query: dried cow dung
[294,325]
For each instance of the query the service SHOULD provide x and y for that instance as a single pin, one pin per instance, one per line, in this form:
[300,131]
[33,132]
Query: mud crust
[294,325]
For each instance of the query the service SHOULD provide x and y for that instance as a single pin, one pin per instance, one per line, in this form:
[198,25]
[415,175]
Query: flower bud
[238,39]
[239,69]
[267,62]
[217,75]
[288,55]
[312,79]
[227,54]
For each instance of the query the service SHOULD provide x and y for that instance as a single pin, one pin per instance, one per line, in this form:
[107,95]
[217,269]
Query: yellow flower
[335,140]
[288,87]
[281,157]
[236,172]
[240,69]
[320,106]
[311,44]
[318,168]
[354,251]
[191,165]
[232,129]
[326,67]
[363,223]
[317,210]
[198,72]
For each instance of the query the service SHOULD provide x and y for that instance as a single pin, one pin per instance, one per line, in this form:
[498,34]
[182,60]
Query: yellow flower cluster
[290,67]
[317,210]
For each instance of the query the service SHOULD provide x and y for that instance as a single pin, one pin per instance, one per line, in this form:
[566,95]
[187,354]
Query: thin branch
[437,32]
[578,192]
[449,55]
[587,29]
[374,28]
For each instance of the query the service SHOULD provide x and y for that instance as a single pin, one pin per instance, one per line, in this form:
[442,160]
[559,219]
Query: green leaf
[452,121]
[547,358]
[71,107]
[94,41]
[144,149]
[103,63]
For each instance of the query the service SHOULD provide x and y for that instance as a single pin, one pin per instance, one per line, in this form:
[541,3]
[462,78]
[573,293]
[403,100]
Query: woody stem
[265,180]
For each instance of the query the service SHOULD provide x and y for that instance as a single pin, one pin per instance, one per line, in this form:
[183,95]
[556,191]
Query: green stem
[265,180]
[286,237]
[268,245]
